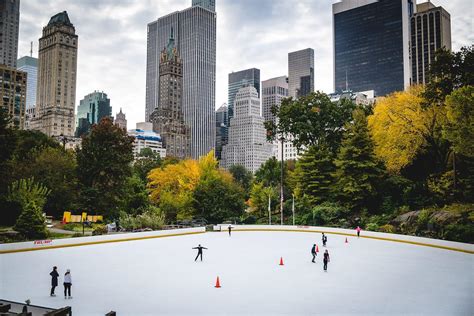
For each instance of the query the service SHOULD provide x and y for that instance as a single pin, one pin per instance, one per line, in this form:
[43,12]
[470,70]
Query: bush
[31,222]
[387,228]
[152,218]
[330,214]
[372,227]
[459,232]
[100,230]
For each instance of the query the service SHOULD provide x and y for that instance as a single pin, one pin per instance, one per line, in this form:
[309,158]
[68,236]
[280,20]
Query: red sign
[43,242]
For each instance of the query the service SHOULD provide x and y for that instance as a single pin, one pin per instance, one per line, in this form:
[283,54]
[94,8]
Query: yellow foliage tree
[402,128]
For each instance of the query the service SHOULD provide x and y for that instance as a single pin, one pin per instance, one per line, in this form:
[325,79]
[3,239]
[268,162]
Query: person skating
[326,260]
[230,229]
[67,284]
[313,252]
[199,248]
[54,280]
[358,231]
[325,239]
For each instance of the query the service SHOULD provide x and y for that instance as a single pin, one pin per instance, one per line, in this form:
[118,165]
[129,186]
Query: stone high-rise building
[91,110]
[430,30]
[241,79]
[120,120]
[13,94]
[273,91]
[301,73]
[195,39]
[57,69]
[9,25]
[247,144]
[168,118]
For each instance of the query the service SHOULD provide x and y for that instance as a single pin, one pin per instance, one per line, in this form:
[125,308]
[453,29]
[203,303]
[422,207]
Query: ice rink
[160,277]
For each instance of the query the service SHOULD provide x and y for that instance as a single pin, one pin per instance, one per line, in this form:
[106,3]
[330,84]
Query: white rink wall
[438,243]
[82,241]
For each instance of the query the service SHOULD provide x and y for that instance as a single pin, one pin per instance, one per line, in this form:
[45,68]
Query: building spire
[347,84]
[31,49]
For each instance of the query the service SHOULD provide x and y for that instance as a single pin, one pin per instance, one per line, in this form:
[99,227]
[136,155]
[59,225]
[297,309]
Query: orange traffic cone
[281,261]
[346,241]
[317,248]
[218,284]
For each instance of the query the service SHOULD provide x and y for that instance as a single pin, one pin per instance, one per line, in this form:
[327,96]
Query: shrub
[330,214]
[31,222]
[459,232]
[372,227]
[387,228]
[152,218]
[100,230]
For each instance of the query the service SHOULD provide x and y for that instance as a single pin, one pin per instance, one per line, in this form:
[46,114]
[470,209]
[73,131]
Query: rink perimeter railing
[420,241]
[94,240]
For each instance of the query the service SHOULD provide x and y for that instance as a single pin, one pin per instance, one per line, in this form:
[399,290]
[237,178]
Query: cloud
[250,33]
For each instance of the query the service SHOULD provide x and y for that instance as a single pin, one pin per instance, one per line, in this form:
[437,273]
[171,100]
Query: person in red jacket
[326,260]
[358,231]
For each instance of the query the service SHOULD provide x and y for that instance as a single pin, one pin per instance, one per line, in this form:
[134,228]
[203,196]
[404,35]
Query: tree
[103,167]
[449,71]
[358,172]
[146,161]
[259,195]
[31,222]
[8,142]
[459,127]
[269,173]
[135,198]
[403,131]
[242,176]
[312,120]
[314,171]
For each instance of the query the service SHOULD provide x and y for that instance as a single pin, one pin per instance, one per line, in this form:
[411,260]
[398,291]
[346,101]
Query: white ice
[160,277]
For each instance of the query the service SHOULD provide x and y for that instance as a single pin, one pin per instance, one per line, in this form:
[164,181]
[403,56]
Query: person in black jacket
[313,252]
[325,239]
[326,260]
[54,280]
[199,248]
[230,229]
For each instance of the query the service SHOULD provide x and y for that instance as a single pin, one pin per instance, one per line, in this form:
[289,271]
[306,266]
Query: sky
[250,33]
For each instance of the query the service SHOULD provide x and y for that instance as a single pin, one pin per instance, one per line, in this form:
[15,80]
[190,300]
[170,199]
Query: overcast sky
[250,33]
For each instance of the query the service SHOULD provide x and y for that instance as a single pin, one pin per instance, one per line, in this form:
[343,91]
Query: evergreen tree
[314,171]
[358,171]
[31,222]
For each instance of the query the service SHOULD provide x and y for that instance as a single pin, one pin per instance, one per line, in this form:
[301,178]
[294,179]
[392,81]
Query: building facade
[206,4]
[247,144]
[91,110]
[238,80]
[273,91]
[144,137]
[301,73]
[371,45]
[57,69]
[9,26]
[222,126]
[195,39]
[30,66]
[13,94]
[430,30]
[168,118]
[121,120]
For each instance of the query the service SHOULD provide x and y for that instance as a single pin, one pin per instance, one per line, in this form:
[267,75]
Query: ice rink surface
[159,277]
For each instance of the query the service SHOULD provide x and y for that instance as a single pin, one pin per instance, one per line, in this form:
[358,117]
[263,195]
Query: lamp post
[282,139]
[293,208]
[269,210]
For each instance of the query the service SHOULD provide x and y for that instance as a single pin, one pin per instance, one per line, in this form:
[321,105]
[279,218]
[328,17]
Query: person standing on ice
[230,229]
[313,252]
[325,239]
[326,260]
[54,280]
[358,231]
[67,284]
[199,248]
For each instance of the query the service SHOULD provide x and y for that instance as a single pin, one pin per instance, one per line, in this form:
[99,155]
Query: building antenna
[346,81]
[31,49]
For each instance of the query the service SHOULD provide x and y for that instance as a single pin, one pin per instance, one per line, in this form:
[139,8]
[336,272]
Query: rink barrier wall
[419,241]
[94,240]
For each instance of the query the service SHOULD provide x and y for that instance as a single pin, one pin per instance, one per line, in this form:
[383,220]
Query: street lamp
[293,208]
[269,210]
[282,139]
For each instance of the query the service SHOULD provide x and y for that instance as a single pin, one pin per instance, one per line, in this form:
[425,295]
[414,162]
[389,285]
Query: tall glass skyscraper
[371,45]
[195,39]
[301,72]
[239,79]
[30,66]
[91,110]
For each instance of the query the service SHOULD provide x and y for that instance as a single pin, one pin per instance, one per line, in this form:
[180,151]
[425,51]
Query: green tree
[314,174]
[358,172]
[146,161]
[269,173]
[242,176]
[259,195]
[8,140]
[103,167]
[135,198]
[31,222]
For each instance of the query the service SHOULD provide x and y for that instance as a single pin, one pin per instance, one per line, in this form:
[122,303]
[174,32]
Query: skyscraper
[273,91]
[430,30]
[120,120]
[13,94]
[91,110]
[241,79]
[207,4]
[9,25]
[371,45]
[247,145]
[30,66]
[222,126]
[195,39]
[57,68]
[167,118]
[301,73]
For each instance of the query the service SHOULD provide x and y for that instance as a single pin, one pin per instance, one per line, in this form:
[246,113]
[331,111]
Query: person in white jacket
[67,284]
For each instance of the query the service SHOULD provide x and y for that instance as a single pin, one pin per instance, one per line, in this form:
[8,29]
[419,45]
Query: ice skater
[358,231]
[325,240]
[326,260]
[67,284]
[54,280]
[199,248]
[230,229]
[313,252]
